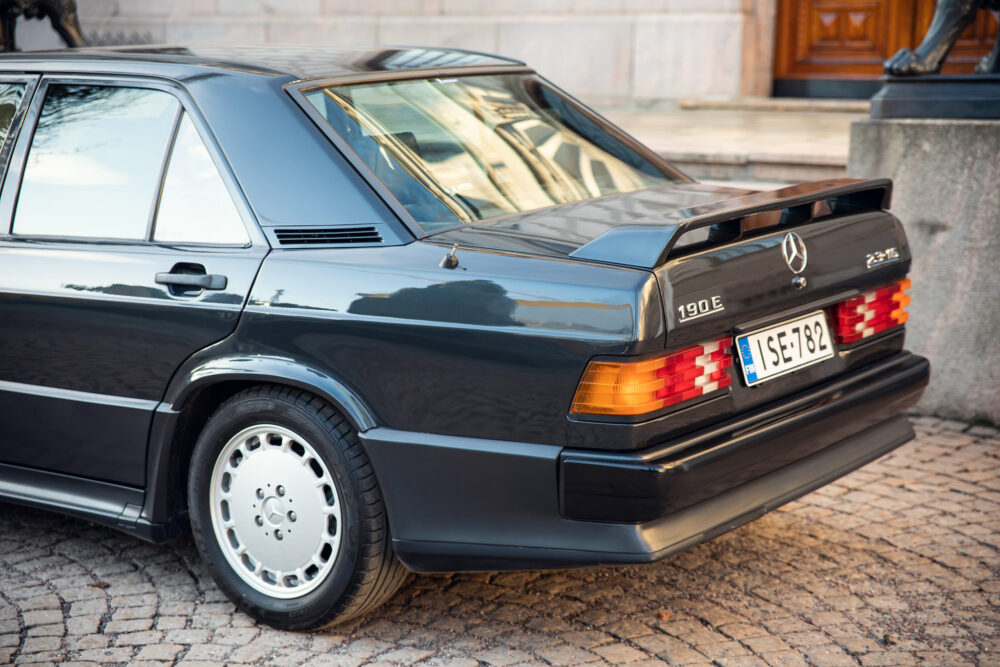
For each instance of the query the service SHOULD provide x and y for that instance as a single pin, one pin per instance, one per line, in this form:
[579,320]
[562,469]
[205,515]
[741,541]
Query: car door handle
[211,281]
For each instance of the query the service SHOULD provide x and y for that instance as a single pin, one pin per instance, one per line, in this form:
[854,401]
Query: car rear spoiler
[650,246]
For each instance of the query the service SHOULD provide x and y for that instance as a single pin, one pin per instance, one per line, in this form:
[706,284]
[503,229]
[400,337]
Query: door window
[95,161]
[195,206]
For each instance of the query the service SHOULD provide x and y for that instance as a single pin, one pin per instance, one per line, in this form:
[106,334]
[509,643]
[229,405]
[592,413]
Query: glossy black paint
[458,378]
[641,229]
[492,349]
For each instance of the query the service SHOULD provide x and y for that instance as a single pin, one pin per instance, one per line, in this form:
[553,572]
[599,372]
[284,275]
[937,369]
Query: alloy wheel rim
[276,512]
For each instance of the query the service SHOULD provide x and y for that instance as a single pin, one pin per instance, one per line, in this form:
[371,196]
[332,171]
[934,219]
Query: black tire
[365,572]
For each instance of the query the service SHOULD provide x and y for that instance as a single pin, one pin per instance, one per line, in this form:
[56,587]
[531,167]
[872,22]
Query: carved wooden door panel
[836,39]
[848,40]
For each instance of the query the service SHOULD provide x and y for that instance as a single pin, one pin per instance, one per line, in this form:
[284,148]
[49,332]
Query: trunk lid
[718,259]
[565,230]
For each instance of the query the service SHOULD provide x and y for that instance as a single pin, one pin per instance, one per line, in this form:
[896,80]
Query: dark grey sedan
[353,313]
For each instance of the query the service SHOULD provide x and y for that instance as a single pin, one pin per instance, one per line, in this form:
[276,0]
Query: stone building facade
[606,51]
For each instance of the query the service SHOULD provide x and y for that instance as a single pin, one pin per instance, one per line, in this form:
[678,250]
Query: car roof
[300,62]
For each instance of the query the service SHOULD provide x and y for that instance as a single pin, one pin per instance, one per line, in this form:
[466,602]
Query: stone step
[745,144]
[778,104]
[757,167]
[768,167]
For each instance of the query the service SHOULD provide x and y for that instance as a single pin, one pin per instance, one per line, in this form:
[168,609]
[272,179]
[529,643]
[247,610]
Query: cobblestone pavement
[898,563]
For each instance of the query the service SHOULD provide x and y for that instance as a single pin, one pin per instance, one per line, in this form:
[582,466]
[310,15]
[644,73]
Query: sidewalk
[746,142]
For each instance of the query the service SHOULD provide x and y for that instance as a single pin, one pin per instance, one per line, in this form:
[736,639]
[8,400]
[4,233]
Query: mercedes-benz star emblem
[793,249]
[273,511]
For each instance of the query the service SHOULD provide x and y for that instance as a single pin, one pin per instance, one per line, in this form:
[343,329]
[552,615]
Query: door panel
[94,322]
[89,342]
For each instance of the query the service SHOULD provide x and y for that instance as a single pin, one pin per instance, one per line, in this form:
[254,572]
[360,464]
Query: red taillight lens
[639,387]
[872,312]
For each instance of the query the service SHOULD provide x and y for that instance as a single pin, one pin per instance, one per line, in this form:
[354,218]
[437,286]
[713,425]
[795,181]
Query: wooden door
[848,40]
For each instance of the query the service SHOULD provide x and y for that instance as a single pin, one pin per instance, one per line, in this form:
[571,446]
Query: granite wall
[947,194]
[605,51]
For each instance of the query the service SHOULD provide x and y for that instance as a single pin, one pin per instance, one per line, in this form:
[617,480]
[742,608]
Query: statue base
[974,96]
[946,192]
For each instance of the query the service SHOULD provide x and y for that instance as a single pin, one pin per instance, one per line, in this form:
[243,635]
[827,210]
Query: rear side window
[95,161]
[195,206]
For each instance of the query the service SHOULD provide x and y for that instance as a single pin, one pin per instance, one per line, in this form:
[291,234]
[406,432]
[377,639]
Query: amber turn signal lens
[631,388]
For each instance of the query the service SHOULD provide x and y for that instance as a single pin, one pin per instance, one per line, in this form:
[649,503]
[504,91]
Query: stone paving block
[40,644]
[50,630]
[189,636]
[107,655]
[85,642]
[32,602]
[139,638]
[166,652]
[405,656]
[132,613]
[619,653]
[134,625]
[90,606]
[209,652]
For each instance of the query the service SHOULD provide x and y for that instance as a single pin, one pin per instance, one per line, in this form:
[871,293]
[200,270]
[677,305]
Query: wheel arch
[193,383]
[192,398]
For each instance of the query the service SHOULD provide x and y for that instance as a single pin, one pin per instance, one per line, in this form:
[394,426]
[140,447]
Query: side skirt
[108,504]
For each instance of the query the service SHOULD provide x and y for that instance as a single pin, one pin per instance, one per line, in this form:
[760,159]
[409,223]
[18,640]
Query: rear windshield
[463,149]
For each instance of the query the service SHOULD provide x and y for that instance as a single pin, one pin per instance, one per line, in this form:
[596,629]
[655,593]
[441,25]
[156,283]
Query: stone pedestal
[947,194]
[938,96]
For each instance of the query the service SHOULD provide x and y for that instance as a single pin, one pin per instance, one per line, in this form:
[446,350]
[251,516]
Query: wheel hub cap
[275,511]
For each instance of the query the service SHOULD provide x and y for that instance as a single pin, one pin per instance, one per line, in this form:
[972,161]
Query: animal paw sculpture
[951,18]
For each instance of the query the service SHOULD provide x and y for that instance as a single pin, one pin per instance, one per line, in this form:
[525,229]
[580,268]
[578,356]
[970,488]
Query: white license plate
[785,347]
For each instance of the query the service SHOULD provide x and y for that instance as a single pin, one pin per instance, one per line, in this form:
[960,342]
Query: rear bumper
[467,504]
[641,486]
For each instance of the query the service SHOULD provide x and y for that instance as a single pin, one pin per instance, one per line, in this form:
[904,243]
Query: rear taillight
[872,312]
[639,387]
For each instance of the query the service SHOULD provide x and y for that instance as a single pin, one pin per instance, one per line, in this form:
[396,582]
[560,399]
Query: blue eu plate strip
[748,366]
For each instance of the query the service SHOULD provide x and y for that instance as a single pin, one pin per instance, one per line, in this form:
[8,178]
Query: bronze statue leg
[65,22]
[8,21]
[990,64]
[951,18]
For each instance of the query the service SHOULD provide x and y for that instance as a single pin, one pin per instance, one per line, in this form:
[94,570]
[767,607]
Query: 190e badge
[700,308]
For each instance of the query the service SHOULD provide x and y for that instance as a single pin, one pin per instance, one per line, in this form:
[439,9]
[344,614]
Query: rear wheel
[286,511]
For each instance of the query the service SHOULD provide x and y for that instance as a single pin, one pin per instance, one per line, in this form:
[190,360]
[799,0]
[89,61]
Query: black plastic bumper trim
[642,486]
[674,533]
